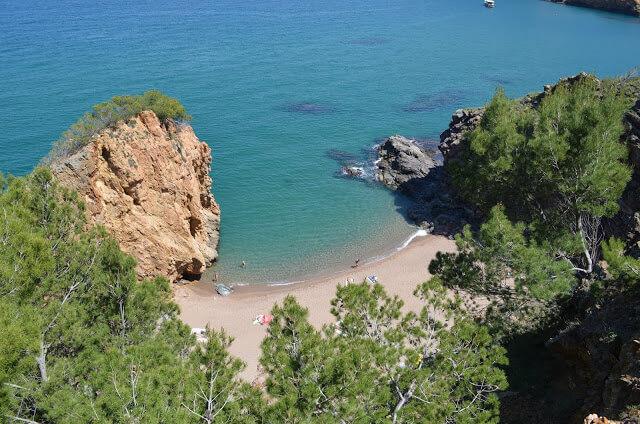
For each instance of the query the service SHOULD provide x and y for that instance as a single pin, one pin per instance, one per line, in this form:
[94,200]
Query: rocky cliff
[148,183]
[627,7]
[402,162]
[404,166]
[626,224]
[602,349]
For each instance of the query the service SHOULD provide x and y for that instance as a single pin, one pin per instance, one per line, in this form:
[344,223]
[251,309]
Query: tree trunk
[41,361]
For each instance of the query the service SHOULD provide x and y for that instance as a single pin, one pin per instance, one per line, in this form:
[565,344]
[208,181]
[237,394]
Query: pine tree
[559,167]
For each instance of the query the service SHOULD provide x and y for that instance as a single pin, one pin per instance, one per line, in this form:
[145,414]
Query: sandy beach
[400,273]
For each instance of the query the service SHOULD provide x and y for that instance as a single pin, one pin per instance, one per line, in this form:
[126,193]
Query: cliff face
[627,7]
[149,185]
[406,167]
[401,161]
[626,223]
[602,349]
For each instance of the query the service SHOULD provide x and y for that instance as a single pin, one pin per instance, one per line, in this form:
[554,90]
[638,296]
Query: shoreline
[300,271]
[335,270]
[399,272]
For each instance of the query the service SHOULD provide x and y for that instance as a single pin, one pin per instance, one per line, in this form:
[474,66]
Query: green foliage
[108,114]
[217,395]
[559,167]
[81,340]
[622,267]
[380,365]
[521,278]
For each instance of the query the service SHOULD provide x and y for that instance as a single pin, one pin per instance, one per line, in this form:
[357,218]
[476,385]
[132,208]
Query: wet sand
[400,273]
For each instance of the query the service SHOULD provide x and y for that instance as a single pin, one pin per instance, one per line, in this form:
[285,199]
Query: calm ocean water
[276,84]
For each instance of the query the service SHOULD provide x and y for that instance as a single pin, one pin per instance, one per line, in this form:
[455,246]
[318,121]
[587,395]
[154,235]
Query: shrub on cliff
[521,279]
[108,114]
[559,167]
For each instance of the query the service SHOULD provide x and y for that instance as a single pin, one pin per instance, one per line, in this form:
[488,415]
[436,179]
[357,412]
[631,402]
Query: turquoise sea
[275,85]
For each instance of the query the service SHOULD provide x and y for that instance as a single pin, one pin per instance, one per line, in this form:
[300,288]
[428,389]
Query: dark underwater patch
[434,101]
[307,108]
[342,156]
[627,19]
[498,80]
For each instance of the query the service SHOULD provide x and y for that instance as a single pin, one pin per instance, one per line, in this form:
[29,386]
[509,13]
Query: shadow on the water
[625,19]
[448,98]
[306,108]
[429,200]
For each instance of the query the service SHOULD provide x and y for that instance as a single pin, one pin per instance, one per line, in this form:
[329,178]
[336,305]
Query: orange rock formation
[148,183]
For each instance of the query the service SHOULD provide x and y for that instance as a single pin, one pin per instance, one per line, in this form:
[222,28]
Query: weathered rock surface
[402,161]
[602,348]
[148,183]
[627,7]
[408,168]
[633,417]
[462,120]
[626,224]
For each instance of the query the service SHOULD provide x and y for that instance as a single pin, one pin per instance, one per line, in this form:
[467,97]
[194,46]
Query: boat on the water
[489,3]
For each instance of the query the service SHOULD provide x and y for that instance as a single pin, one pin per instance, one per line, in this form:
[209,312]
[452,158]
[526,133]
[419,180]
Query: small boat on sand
[489,3]
[223,290]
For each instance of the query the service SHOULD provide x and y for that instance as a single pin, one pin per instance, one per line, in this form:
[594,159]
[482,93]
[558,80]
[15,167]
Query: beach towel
[262,319]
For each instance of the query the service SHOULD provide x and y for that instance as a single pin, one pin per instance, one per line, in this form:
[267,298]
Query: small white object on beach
[199,333]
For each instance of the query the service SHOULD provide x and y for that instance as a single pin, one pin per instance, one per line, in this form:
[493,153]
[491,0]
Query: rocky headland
[406,167]
[627,7]
[601,347]
[147,182]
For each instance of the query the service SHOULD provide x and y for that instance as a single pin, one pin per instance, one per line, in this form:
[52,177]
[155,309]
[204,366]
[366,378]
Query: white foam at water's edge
[419,233]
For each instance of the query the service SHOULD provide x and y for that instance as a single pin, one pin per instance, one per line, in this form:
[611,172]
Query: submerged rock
[148,183]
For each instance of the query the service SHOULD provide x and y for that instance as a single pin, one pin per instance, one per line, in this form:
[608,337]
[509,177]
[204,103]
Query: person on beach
[244,264]
[215,277]
[357,263]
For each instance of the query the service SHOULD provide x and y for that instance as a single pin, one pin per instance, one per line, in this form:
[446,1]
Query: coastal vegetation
[82,340]
[545,172]
[108,114]
[559,167]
